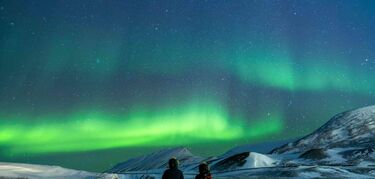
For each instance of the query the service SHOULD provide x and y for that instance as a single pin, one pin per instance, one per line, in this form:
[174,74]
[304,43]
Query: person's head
[203,168]
[173,163]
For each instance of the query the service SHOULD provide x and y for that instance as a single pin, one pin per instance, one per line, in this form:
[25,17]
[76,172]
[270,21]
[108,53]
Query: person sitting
[173,172]
[204,172]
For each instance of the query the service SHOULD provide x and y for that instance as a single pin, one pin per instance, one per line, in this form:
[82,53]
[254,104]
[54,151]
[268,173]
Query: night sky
[87,84]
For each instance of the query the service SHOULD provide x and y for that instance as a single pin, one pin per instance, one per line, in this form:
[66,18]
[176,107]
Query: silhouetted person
[204,172]
[173,172]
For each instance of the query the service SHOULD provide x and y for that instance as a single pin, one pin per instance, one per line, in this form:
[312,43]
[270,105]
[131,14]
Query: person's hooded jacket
[173,172]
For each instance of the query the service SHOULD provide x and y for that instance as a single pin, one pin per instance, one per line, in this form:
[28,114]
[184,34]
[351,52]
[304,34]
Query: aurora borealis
[79,78]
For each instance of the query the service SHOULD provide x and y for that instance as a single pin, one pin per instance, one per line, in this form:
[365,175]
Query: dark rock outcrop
[314,154]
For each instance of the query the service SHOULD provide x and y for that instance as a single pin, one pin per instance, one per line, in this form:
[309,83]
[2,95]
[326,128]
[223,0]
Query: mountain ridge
[352,127]
[343,147]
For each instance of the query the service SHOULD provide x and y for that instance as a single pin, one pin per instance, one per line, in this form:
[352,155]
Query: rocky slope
[354,128]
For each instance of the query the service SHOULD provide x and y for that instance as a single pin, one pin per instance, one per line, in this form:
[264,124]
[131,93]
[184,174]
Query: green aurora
[172,126]
[89,77]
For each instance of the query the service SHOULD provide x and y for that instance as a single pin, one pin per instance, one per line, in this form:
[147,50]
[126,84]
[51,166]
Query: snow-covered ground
[16,170]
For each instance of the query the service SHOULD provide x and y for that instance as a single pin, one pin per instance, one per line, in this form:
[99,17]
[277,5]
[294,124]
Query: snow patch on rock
[256,160]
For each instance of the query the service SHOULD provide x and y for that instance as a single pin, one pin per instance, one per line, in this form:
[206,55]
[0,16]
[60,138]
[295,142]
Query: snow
[372,155]
[255,160]
[309,175]
[366,164]
[334,157]
[16,170]
[339,134]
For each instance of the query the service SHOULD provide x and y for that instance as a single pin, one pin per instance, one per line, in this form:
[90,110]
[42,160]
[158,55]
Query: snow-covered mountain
[153,165]
[235,159]
[264,147]
[243,160]
[343,147]
[347,139]
[158,160]
[354,128]
[189,161]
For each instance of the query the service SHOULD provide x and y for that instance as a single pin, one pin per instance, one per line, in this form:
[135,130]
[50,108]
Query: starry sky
[87,84]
